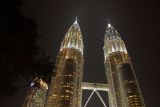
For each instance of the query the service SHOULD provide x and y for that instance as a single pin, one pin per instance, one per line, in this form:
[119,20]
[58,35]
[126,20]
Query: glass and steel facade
[36,94]
[65,88]
[124,89]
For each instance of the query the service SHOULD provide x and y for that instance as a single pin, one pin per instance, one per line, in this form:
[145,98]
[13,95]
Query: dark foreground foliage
[20,57]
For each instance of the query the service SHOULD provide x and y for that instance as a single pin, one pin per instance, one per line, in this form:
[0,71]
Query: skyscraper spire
[111,32]
[76,21]
[73,37]
[108,23]
[113,41]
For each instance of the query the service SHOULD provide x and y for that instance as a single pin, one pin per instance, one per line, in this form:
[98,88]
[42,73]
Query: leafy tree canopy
[19,55]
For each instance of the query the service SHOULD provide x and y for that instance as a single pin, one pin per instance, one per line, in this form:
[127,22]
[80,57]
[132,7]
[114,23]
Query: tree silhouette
[19,55]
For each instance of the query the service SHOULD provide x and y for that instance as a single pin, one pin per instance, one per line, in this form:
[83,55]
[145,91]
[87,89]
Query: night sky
[136,20]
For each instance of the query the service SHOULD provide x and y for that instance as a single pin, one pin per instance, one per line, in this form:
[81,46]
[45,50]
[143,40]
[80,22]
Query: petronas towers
[66,86]
[124,89]
[65,89]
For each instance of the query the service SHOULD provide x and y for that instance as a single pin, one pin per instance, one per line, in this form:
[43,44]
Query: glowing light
[109,25]
[32,83]
[76,20]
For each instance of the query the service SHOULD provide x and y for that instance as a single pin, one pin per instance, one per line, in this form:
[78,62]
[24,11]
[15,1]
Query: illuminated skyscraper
[36,95]
[65,88]
[123,86]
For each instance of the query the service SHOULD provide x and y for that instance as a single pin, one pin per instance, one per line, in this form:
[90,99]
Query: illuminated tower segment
[124,89]
[36,95]
[65,88]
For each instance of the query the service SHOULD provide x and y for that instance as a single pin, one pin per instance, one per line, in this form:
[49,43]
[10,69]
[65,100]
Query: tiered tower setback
[65,89]
[124,89]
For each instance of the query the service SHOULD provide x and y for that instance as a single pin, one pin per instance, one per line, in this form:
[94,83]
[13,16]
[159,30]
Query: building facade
[65,89]
[66,86]
[36,94]
[123,85]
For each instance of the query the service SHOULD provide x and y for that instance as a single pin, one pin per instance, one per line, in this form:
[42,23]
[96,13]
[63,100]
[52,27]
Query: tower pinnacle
[76,21]
[111,32]
[73,38]
[108,23]
[112,41]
